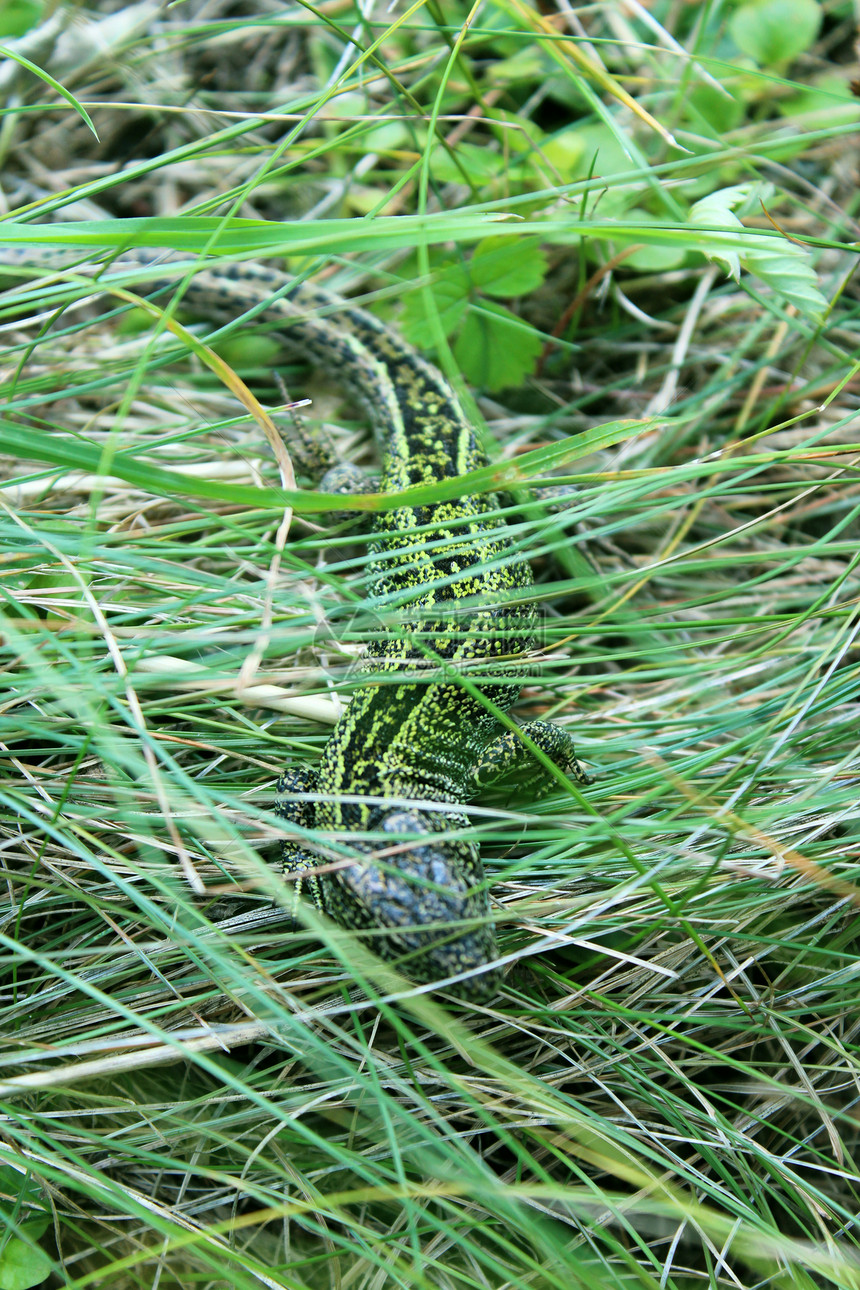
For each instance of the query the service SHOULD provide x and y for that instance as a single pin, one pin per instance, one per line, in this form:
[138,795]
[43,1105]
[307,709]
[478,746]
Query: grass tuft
[628,234]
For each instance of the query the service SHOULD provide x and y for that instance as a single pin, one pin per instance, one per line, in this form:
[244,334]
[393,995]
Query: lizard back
[418,739]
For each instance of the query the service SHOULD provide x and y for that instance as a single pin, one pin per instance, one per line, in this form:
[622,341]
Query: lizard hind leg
[296,856]
[508,765]
[347,479]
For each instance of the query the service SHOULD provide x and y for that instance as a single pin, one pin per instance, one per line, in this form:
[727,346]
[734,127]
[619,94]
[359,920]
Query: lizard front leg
[508,764]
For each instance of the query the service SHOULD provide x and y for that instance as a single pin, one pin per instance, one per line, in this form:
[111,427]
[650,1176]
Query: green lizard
[414,745]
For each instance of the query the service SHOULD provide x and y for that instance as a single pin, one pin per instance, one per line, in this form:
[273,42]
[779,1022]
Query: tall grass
[205,1083]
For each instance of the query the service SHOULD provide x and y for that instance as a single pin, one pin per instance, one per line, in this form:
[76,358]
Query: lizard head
[423,895]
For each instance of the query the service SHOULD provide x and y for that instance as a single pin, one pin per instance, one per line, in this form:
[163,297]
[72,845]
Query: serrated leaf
[508,266]
[710,208]
[451,296]
[709,214]
[785,266]
[775,31]
[496,349]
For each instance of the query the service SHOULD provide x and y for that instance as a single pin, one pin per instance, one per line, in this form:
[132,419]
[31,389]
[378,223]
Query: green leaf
[21,1187]
[785,266]
[23,1265]
[479,163]
[528,64]
[451,295]
[244,351]
[829,98]
[715,211]
[565,152]
[18,16]
[600,153]
[385,137]
[775,31]
[722,112]
[508,266]
[787,269]
[496,349]
[655,259]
